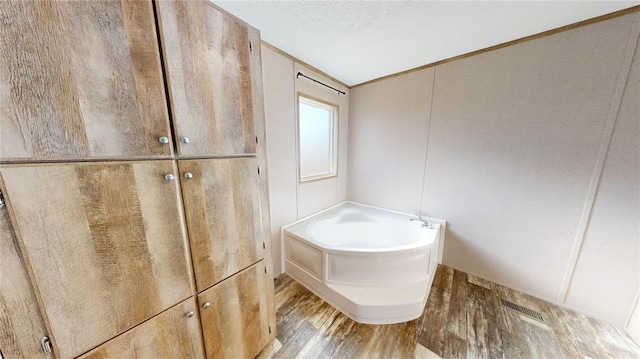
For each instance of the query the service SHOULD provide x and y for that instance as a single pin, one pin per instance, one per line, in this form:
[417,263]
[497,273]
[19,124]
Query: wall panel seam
[426,150]
[611,119]
[634,307]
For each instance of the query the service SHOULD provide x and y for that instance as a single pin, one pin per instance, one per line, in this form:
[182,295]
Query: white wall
[289,199]
[633,327]
[388,142]
[514,145]
[316,195]
[608,268]
[279,94]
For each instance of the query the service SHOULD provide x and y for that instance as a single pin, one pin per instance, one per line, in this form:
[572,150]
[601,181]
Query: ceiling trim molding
[300,62]
[510,43]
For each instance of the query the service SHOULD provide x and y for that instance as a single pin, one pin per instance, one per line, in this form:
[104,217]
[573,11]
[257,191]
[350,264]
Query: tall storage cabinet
[81,80]
[22,325]
[114,244]
[214,75]
[105,242]
[209,60]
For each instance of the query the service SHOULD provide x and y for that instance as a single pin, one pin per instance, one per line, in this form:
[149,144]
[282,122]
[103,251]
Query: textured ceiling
[357,41]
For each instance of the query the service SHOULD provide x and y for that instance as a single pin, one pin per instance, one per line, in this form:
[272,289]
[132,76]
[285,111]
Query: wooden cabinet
[211,59]
[174,333]
[100,256]
[22,326]
[222,209]
[235,319]
[263,180]
[81,79]
[105,242]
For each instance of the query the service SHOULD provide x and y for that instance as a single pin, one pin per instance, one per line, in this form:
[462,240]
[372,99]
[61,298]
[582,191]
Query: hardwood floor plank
[455,345]
[301,309]
[328,337]
[632,346]
[507,321]
[391,341]
[568,343]
[542,341]
[483,336]
[463,318]
[285,287]
[514,346]
[608,336]
[540,338]
[294,313]
[423,353]
[353,336]
[295,341]
[270,350]
[435,314]
[479,282]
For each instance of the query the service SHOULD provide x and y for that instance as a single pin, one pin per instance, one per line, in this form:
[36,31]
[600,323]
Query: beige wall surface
[516,141]
[608,267]
[633,327]
[317,195]
[279,95]
[387,145]
[291,200]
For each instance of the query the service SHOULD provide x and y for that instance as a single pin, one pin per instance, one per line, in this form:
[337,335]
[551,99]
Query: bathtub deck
[463,319]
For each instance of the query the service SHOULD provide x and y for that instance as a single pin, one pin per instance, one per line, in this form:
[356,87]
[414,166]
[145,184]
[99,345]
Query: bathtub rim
[442,222]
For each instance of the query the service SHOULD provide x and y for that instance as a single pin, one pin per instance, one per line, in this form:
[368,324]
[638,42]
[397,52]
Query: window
[317,134]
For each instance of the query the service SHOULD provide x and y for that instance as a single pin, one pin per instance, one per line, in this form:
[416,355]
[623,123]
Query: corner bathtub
[375,266]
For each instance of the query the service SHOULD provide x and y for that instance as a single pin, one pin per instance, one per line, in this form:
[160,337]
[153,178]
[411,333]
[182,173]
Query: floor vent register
[522,310]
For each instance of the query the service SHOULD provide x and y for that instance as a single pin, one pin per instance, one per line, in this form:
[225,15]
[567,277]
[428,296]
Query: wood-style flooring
[463,318]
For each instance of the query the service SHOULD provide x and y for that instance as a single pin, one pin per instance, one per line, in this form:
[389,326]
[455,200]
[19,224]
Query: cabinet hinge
[264,245]
[258,170]
[256,140]
[269,329]
[250,47]
[46,344]
[265,269]
[1,200]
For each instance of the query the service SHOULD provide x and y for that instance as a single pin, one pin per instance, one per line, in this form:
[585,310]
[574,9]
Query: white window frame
[333,146]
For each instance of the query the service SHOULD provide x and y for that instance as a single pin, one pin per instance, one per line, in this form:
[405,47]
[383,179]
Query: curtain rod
[323,84]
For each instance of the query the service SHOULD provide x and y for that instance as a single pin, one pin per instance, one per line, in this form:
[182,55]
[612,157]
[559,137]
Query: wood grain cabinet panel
[21,324]
[222,209]
[208,57]
[263,182]
[234,315]
[81,79]
[170,335]
[105,243]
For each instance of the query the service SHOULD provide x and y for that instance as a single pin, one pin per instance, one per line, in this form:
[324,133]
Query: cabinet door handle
[169,177]
[190,314]
[164,140]
[188,175]
[185,140]
[206,305]
[46,344]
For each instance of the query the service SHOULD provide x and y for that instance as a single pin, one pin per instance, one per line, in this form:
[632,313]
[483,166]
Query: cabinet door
[22,326]
[208,61]
[80,79]
[223,216]
[105,243]
[172,334]
[234,315]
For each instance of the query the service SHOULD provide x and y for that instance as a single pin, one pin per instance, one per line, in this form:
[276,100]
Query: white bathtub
[375,266]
